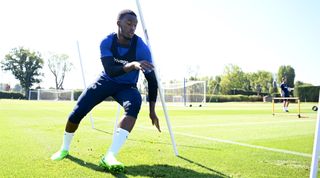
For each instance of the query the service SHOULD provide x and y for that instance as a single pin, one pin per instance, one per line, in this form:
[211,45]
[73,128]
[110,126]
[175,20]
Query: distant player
[285,93]
[123,55]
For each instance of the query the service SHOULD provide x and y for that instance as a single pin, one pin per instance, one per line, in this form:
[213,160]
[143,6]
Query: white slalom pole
[316,146]
[84,81]
[159,83]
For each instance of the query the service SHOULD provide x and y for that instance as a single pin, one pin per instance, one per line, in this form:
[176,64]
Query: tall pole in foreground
[159,83]
[316,146]
[84,80]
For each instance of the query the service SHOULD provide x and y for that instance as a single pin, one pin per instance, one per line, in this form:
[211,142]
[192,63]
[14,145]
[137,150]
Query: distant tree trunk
[59,66]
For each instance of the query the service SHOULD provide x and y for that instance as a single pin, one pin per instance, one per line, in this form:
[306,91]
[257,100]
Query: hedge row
[11,95]
[209,98]
[307,93]
[232,98]
[243,92]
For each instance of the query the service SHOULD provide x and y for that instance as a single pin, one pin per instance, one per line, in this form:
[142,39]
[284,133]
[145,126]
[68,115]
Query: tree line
[26,66]
[234,79]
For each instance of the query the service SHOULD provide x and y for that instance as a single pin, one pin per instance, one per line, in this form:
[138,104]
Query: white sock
[119,139]
[67,138]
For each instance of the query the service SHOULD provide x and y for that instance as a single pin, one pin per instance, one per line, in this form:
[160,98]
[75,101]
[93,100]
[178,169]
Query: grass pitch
[217,140]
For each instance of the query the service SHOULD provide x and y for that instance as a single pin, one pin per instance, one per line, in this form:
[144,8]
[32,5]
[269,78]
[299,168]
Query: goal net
[51,94]
[189,93]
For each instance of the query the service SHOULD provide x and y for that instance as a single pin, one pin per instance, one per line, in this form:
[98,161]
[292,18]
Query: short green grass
[217,140]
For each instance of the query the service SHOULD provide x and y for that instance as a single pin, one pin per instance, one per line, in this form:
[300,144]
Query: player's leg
[287,105]
[130,100]
[92,96]
[287,102]
[284,105]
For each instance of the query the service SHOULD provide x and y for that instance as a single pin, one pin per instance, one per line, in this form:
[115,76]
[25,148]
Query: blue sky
[188,37]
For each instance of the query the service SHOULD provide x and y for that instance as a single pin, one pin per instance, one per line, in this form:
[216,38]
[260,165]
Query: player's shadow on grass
[164,170]
[158,170]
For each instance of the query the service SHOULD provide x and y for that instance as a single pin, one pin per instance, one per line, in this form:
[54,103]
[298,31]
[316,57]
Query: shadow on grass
[109,133]
[202,166]
[164,170]
[158,170]
[85,164]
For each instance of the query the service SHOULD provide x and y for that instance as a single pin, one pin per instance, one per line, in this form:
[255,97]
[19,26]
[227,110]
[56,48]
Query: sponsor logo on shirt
[124,62]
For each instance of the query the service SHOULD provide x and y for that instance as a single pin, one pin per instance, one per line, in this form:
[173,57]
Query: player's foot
[111,164]
[59,155]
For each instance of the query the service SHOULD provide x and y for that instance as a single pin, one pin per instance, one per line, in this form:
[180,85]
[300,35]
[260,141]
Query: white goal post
[51,94]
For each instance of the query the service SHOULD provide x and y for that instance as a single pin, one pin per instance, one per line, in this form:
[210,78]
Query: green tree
[212,84]
[261,81]
[232,78]
[59,65]
[288,72]
[247,85]
[217,87]
[25,65]
[273,90]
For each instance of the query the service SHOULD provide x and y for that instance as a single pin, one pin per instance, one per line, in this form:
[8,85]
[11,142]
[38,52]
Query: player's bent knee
[132,108]
[77,115]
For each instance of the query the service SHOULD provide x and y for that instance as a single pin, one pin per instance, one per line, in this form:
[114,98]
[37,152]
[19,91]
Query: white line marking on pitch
[245,144]
[238,143]
[239,124]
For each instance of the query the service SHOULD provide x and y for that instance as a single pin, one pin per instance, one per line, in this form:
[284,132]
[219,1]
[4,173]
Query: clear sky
[187,36]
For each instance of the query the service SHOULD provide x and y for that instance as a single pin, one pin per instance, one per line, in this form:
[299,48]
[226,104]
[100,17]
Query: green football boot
[111,164]
[59,155]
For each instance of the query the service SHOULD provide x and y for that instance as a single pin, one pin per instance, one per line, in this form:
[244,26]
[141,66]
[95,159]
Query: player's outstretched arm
[152,96]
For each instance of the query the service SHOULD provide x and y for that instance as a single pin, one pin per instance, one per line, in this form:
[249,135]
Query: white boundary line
[246,145]
[237,143]
[239,124]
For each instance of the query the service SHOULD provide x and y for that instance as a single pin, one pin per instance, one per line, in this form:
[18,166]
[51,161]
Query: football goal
[188,93]
[51,94]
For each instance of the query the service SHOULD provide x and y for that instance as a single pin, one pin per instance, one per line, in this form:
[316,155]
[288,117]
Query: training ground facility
[217,140]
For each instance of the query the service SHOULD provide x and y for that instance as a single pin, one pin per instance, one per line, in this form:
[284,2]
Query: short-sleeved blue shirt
[284,90]
[142,53]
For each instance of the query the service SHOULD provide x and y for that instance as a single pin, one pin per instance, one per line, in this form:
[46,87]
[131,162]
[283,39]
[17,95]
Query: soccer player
[285,93]
[123,55]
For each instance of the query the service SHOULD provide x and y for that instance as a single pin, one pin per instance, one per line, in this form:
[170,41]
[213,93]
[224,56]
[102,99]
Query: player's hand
[146,66]
[155,120]
[141,65]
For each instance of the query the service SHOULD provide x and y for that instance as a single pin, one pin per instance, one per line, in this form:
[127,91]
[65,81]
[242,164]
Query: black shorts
[286,95]
[127,95]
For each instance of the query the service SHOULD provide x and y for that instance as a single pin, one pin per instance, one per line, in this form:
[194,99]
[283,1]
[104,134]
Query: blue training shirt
[284,90]
[142,53]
